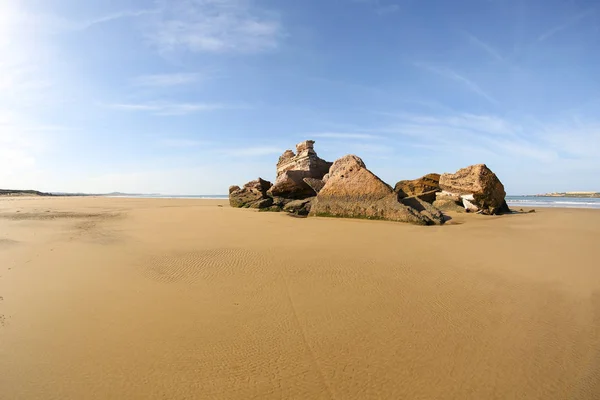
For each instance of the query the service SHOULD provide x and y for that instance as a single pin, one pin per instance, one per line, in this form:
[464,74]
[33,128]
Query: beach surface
[111,298]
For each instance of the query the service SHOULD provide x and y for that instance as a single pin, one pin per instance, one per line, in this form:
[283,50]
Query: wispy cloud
[86,24]
[252,151]
[483,124]
[450,74]
[567,24]
[380,7]
[167,109]
[181,143]
[161,80]
[342,135]
[492,52]
[213,26]
[570,142]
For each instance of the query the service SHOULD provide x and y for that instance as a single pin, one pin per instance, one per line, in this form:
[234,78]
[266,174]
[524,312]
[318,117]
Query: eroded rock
[252,195]
[315,184]
[354,191]
[479,188]
[429,184]
[299,207]
[293,168]
[427,211]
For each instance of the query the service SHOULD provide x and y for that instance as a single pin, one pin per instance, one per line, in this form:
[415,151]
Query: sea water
[558,202]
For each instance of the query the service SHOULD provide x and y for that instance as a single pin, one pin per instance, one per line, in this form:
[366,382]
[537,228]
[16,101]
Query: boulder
[446,201]
[479,188]
[253,194]
[429,212]
[428,197]
[299,207]
[315,184]
[355,192]
[429,183]
[292,168]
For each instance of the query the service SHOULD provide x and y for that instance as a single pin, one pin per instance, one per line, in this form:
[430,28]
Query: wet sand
[189,299]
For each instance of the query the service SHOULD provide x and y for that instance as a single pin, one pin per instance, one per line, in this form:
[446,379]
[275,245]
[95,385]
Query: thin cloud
[341,135]
[83,25]
[450,74]
[213,26]
[484,124]
[485,47]
[388,9]
[252,151]
[163,80]
[379,7]
[570,22]
[167,109]
[485,134]
[181,143]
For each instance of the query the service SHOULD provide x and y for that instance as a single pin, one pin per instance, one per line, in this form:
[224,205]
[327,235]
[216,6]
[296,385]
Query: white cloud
[213,26]
[162,80]
[169,109]
[450,74]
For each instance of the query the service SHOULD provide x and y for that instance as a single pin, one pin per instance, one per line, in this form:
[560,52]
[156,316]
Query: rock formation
[478,187]
[432,215]
[346,188]
[293,168]
[353,191]
[426,187]
[315,184]
[299,207]
[446,201]
[252,195]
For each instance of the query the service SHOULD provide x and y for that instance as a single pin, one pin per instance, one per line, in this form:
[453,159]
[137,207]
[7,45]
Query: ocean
[557,202]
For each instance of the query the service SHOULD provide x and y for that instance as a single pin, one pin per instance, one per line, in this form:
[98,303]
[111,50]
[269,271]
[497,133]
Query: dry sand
[190,299]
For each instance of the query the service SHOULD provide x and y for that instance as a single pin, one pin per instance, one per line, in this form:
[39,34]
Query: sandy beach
[106,298]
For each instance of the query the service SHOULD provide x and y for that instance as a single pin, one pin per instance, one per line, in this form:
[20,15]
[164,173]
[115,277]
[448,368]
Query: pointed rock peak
[293,168]
[306,145]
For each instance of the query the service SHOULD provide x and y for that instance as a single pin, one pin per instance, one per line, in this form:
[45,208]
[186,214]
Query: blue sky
[191,96]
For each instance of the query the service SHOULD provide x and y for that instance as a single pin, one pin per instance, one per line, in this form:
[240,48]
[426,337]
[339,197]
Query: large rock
[293,168]
[299,207]
[315,184]
[429,183]
[478,187]
[427,211]
[355,192]
[446,201]
[252,195]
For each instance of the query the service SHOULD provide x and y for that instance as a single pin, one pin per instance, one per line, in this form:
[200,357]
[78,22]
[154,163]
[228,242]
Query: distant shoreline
[581,195]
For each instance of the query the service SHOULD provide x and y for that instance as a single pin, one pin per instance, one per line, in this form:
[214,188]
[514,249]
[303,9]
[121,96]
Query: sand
[190,299]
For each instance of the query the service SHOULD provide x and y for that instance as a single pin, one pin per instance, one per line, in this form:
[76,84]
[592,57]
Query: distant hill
[13,192]
[127,194]
[583,195]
